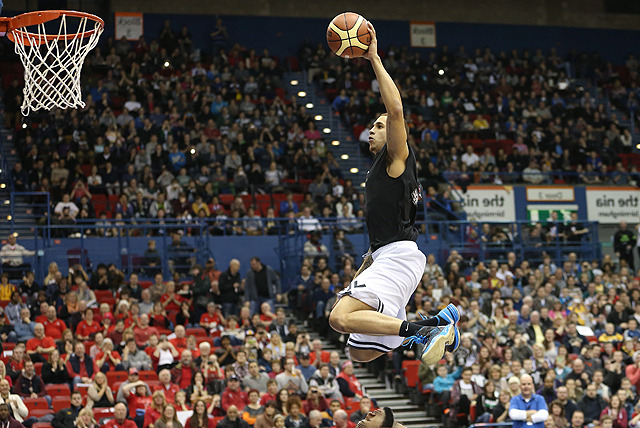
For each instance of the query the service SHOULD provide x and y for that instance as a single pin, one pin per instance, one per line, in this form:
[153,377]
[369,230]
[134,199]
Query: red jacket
[237,398]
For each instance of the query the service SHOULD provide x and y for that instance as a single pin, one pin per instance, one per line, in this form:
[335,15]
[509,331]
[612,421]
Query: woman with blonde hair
[276,345]
[169,418]
[85,419]
[155,409]
[51,275]
[99,393]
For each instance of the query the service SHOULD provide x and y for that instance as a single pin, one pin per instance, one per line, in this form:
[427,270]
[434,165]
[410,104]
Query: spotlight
[294,83]
[326,130]
[344,157]
[318,117]
[192,151]
[302,94]
[7,202]
[362,184]
[353,170]
[9,217]
[441,72]
[24,126]
[335,143]
[309,105]
[2,185]
[166,64]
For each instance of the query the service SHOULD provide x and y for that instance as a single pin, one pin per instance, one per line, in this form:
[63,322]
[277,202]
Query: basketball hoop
[52,55]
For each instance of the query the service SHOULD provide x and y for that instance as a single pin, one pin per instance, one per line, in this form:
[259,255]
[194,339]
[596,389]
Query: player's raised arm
[396,132]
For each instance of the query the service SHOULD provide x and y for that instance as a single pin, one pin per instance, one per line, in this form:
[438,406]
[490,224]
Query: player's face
[378,134]
[372,420]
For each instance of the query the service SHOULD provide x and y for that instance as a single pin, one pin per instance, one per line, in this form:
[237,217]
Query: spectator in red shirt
[213,318]
[44,308]
[143,331]
[317,356]
[180,341]
[40,347]
[272,392]
[137,399]
[184,370]
[154,411]
[53,326]
[168,388]
[120,420]
[233,395]
[108,359]
[88,327]
[80,366]
[170,300]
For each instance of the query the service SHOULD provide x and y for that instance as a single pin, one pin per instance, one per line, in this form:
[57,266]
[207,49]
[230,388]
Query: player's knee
[337,321]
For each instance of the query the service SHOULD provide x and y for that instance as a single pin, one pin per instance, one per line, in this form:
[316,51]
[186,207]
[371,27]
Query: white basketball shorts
[386,286]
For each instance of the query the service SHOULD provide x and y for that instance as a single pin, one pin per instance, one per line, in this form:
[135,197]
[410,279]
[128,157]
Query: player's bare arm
[396,134]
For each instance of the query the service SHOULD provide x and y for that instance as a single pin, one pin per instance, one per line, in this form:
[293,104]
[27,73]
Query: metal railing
[520,237]
[464,179]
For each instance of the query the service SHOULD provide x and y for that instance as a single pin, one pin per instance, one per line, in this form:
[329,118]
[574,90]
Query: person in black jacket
[66,417]
[55,371]
[230,285]
[623,243]
[591,404]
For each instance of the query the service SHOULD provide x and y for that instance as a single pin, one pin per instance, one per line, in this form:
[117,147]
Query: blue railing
[123,242]
[473,244]
[569,177]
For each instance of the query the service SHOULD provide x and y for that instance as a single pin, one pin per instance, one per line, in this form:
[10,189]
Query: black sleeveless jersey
[391,203]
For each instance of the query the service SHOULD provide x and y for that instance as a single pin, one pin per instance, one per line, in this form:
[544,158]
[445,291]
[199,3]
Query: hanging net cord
[52,65]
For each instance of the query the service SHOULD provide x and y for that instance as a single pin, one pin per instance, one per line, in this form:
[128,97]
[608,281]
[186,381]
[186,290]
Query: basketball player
[372,308]
[379,418]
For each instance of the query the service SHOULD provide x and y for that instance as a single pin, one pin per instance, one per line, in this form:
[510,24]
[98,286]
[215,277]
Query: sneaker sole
[456,339]
[435,350]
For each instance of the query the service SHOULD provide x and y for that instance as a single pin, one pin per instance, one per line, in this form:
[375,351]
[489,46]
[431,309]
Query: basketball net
[53,62]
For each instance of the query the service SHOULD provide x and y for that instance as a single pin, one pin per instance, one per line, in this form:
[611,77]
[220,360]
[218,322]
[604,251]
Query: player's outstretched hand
[372,52]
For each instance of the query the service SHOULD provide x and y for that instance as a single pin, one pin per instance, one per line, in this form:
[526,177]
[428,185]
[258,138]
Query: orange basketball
[348,35]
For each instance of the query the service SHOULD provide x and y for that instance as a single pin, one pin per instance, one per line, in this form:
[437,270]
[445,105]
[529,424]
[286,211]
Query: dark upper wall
[569,13]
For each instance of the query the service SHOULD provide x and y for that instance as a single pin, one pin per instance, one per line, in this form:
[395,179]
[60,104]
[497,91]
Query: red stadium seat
[410,370]
[38,413]
[147,375]
[36,403]
[58,390]
[102,412]
[41,424]
[196,331]
[59,403]
[38,368]
[116,376]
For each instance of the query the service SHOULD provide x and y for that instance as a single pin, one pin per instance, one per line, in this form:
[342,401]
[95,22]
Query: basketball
[348,35]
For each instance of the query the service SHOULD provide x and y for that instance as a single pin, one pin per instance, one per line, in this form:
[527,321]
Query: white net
[53,61]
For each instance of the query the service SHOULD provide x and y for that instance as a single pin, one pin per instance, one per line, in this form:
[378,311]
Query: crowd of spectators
[215,344]
[165,135]
[167,132]
[489,117]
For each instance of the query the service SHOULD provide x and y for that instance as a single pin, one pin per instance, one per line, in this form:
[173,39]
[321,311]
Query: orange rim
[14,27]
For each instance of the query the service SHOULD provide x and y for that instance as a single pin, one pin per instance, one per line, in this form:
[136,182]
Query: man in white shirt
[308,223]
[12,255]
[470,158]
[66,203]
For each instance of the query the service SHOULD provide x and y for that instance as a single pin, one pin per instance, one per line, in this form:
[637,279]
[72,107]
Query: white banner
[423,34]
[489,203]
[129,25]
[550,194]
[613,204]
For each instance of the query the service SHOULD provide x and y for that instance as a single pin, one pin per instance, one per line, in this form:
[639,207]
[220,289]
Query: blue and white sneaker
[449,315]
[435,340]
[449,311]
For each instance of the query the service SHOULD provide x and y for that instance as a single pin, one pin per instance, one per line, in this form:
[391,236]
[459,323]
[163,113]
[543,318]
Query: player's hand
[372,52]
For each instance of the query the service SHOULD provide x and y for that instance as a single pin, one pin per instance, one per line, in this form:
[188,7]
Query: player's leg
[363,355]
[350,315]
